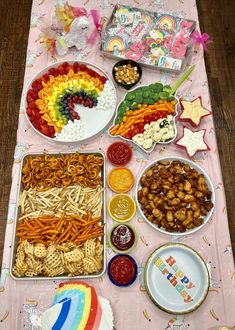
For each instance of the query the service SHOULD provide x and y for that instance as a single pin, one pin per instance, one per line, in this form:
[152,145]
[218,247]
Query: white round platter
[176,278]
[93,121]
[192,165]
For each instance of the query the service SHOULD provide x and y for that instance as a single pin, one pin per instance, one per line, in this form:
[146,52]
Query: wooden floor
[216,18]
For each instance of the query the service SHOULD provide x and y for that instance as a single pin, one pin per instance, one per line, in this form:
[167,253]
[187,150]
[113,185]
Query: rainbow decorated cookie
[193,111]
[193,141]
[60,99]
[166,22]
[114,43]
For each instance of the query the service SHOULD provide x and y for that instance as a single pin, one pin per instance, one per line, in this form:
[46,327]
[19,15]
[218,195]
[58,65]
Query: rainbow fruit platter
[63,99]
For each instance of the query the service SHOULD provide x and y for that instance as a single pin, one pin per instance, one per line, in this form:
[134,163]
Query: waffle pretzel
[90,248]
[74,255]
[40,250]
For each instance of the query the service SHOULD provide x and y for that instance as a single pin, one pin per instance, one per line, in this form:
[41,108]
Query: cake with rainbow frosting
[76,306]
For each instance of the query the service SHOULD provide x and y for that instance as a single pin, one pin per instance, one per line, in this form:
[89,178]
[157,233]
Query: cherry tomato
[136,131]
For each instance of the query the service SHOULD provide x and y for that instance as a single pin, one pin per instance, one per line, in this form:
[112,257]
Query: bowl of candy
[63,99]
[127,73]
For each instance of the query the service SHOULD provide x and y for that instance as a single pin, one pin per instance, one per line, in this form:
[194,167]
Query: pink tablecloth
[212,242]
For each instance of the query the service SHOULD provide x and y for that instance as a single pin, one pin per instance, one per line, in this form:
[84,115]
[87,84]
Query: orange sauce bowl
[120,180]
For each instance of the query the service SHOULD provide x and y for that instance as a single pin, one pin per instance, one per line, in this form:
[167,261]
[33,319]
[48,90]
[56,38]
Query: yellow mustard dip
[122,207]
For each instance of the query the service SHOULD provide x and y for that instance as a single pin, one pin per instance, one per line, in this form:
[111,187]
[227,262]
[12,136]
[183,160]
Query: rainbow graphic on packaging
[175,276]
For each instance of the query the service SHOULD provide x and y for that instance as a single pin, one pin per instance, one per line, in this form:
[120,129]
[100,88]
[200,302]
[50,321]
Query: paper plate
[176,278]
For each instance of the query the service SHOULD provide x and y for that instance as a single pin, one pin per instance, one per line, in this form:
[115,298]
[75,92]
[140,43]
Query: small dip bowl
[119,153]
[122,208]
[120,179]
[122,238]
[122,270]
[126,69]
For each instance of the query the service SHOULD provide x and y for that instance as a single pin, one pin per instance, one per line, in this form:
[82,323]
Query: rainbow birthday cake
[76,306]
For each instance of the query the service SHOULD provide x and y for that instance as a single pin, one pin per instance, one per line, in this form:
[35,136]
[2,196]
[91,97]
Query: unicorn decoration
[177,323]
[75,37]
[70,26]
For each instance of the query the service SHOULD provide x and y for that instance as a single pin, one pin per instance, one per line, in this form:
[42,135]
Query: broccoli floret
[167,89]
[139,99]
[130,96]
[155,96]
[163,95]
[118,120]
[121,112]
[152,87]
[170,98]
[158,87]
[146,93]
[127,103]
[150,100]
[139,91]
[145,89]
[134,106]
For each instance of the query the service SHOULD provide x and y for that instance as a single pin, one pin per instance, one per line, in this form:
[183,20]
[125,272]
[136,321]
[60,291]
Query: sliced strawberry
[31,104]
[34,84]
[39,86]
[61,70]
[35,88]
[38,115]
[51,131]
[42,121]
[32,118]
[46,77]
[38,81]
[29,111]
[65,64]
[51,71]
[37,125]
[67,68]
[103,79]
[29,98]
[82,67]
[75,67]
[45,129]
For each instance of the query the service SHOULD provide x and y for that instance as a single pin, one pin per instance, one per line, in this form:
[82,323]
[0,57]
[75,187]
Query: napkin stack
[76,306]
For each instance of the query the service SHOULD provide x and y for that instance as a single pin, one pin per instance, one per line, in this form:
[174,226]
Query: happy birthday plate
[176,278]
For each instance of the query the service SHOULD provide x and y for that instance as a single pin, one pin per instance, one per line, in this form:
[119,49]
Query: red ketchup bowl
[122,270]
[119,153]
